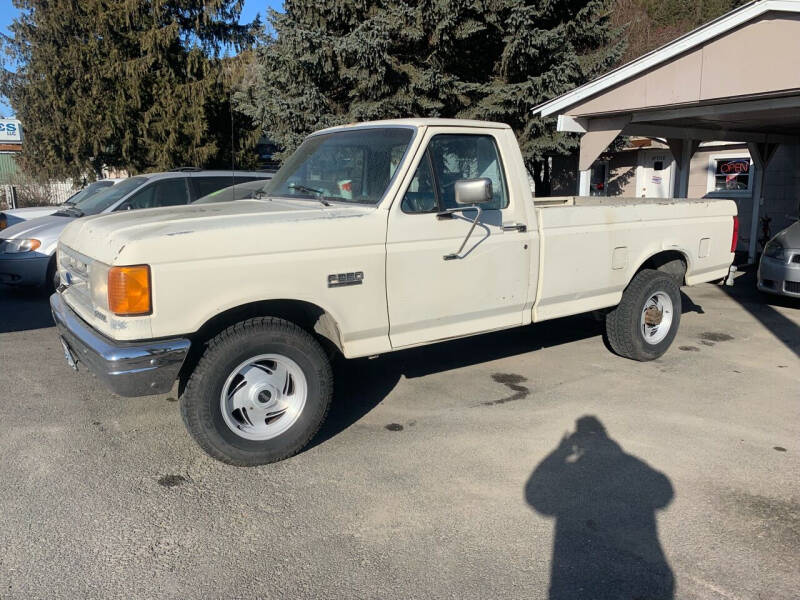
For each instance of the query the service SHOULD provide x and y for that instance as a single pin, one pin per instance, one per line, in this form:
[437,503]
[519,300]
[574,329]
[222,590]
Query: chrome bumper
[127,368]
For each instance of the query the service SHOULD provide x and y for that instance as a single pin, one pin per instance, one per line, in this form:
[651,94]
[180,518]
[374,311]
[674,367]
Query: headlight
[775,250]
[18,246]
[98,284]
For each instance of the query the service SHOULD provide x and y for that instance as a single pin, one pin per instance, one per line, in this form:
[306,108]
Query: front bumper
[779,277]
[127,368]
[24,271]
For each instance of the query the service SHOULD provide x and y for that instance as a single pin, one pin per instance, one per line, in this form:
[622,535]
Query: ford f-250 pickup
[371,238]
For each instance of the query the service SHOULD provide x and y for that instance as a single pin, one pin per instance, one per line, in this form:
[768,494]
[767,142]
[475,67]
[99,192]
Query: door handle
[520,227]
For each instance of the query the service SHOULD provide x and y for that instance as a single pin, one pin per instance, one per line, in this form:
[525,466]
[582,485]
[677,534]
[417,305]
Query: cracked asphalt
[522,464]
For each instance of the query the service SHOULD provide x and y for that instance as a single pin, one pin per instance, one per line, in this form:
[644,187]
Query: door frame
[642,164]
[515,175]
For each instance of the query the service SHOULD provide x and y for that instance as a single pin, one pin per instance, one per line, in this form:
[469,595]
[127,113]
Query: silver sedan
[779,269]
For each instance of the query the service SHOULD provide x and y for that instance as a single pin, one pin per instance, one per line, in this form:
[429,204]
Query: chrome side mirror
[469,195]
[473,191]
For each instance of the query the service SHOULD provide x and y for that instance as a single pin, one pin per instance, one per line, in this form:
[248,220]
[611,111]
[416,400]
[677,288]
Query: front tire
[644,324]
[52,279]
[260,392]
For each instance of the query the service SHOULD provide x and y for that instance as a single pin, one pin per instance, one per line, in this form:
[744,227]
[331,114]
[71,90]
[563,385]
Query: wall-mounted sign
[10,130]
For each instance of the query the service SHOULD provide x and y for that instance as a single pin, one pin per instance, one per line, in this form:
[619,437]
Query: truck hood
[192,232]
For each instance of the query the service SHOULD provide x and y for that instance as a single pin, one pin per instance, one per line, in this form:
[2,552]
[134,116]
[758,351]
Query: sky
[249,12]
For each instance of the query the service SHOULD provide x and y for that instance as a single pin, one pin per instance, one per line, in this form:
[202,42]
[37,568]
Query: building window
[732,174]
[598,185]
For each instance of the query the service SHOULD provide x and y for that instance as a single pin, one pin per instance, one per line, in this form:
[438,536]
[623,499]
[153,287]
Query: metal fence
[18,190]
[30,193]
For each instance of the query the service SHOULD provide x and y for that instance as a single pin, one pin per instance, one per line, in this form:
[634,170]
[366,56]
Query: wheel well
[310,317]
[671,262]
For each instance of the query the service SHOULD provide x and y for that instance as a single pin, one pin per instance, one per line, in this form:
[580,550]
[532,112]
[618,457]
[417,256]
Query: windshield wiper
[304,188]
[75,211]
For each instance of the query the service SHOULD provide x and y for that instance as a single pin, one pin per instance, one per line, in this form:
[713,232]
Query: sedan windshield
[96,204]
[89,190]
[350,166]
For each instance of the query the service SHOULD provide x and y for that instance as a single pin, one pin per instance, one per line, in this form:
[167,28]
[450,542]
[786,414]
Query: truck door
[431,294]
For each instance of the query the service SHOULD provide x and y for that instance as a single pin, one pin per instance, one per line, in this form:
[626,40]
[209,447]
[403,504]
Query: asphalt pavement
[524,464]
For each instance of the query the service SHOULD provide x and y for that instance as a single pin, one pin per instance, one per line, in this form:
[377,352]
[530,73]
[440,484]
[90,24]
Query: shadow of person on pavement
[604,501]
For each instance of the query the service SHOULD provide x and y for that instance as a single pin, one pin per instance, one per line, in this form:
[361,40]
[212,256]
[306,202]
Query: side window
[467,156]
[203,186]
[167,192]
[141,199]
[420,196]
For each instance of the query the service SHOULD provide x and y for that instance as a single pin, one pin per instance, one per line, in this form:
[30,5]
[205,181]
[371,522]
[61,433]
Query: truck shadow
[24,309]
[361,384]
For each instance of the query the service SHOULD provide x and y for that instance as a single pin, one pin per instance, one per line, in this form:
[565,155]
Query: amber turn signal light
[129,290]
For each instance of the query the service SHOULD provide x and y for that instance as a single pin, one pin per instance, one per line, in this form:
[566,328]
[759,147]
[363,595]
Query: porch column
[600,133]
[682,151]
[762,154]
[584,180]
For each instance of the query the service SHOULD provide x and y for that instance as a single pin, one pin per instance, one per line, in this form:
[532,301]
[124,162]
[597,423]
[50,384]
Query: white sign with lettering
[10,130]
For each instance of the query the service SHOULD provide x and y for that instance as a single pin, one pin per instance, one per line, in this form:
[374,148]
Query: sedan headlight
[775,250]
[98,284]
[18,246]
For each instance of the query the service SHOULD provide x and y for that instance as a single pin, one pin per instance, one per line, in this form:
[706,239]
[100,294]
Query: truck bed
[614,201]
[590,247]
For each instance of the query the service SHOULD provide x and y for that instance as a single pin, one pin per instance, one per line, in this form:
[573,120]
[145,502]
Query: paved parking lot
[504,465]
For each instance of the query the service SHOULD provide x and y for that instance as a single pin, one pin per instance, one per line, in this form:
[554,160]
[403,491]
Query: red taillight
[735,236]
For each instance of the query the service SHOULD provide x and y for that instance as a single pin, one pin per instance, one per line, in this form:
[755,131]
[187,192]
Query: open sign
[737,166]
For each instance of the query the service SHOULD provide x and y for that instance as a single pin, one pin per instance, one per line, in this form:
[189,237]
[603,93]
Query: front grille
[796,258]
[792,286]
[74,270]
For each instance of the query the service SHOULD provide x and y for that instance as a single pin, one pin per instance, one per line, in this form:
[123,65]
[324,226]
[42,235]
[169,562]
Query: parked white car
[779,267]
[27,249]
[371,238]
[17,215]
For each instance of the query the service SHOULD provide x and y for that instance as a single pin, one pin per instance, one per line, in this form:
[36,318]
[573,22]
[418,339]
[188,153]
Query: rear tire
[259,394]
[644,324]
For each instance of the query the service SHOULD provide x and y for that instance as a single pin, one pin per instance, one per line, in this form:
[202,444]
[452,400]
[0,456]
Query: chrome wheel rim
[263,397]
[656,319]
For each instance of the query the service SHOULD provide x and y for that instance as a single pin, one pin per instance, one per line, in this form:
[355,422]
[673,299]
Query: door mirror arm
[472,192]
[448,214]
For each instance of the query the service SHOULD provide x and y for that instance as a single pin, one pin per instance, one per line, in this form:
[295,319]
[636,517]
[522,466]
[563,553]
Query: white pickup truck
[371,238]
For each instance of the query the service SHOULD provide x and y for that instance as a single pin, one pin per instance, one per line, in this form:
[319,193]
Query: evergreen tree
[132,84]
[336,61]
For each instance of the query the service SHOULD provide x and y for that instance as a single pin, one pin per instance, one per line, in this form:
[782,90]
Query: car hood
[192,232]
[46,229]
[17,215]
[790,237]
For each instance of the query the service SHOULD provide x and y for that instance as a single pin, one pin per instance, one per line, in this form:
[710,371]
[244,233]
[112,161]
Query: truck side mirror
[469,195]
[473,191]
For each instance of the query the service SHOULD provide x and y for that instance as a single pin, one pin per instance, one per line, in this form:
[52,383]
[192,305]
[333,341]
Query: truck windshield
[96,204]
[349,166]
